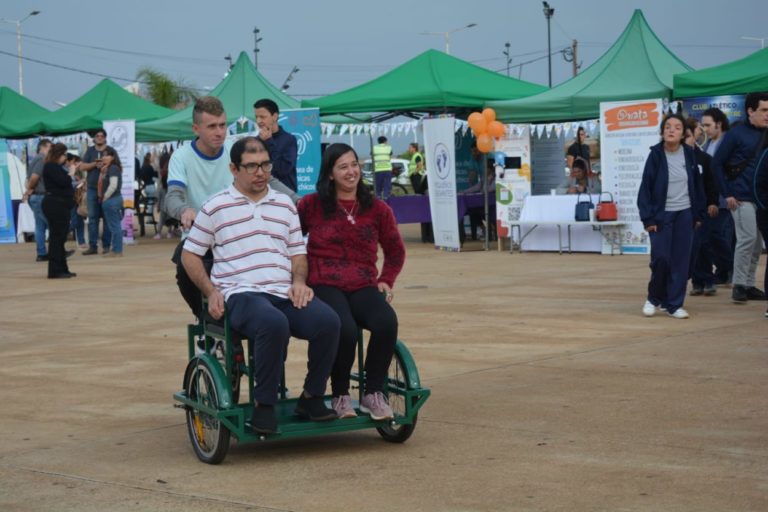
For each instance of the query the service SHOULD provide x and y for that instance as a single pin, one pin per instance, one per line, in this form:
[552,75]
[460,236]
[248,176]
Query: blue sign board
[304,124]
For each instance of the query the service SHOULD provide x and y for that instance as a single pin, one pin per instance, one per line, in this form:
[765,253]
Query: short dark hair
[691,124]
[718,116]
[43,143]
[98,131]
[246,145]
[580,163]
[679,117]
[326,190]
[382,139]
[414,145]
[208,105]
[753,99]
[267,104]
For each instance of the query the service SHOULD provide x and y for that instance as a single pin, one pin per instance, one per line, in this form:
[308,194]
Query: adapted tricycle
[212,385]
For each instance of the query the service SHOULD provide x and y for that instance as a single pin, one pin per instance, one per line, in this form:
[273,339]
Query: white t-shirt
[200,175]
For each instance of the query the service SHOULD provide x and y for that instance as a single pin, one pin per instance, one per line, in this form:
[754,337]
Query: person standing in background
[382,168]
[57,207]
[282,146]
[579,148]
[34,194]
[91,164]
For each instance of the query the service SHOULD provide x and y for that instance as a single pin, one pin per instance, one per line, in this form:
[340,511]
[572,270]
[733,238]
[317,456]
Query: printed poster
[441,176]
[7,227]
[627,131]
[513,179]
[304,124]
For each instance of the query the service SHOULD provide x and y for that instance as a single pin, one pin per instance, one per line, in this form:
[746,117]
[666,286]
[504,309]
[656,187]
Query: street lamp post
[548,13]
[18,45]
[447,35]
[761,39]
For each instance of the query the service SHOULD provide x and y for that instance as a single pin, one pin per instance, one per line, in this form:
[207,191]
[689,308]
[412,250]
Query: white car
[401,185]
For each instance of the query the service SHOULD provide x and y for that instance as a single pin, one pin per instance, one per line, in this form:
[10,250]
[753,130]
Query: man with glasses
[259,271]
[196,172]
[91,164]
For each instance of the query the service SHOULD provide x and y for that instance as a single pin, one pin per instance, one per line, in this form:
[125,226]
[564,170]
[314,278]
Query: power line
[83,71]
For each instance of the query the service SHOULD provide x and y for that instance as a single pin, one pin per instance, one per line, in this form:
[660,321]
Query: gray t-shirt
[677,189]
[36,167]
[92,177]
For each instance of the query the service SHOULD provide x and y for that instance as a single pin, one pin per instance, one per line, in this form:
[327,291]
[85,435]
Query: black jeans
[187,288]
[368,309]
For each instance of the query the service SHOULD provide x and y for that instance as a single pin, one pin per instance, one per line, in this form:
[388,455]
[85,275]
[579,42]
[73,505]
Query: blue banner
[7,226]
[732,106]
[304,124]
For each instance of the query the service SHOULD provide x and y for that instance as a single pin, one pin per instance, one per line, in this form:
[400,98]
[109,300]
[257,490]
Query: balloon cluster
[485,128]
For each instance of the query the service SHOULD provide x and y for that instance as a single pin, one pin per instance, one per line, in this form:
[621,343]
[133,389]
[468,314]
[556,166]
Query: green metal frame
[234,415]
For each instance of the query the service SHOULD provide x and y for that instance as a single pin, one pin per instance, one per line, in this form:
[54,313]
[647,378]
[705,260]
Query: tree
[164,91]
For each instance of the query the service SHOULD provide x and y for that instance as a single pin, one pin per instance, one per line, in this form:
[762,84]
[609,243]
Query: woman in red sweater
[346,225]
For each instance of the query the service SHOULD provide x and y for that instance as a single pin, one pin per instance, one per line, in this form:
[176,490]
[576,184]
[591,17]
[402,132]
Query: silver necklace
[351,212]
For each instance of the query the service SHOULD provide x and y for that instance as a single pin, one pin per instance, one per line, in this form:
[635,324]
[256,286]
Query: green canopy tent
[636,66]
[242,86]
[432,81]
[742,76]
[105,102]
[19,117]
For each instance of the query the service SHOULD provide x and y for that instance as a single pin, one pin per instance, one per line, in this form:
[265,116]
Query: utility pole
[228,58]
[256,40]
[290,77]
[548,13]
[574,50]
[18,44]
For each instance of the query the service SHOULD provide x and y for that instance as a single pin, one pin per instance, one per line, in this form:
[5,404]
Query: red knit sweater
[342,254]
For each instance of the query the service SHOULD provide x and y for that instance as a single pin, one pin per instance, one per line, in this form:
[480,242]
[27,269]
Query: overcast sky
[339,44]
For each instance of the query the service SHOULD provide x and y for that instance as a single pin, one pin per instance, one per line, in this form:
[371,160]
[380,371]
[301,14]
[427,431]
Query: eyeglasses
[252,167]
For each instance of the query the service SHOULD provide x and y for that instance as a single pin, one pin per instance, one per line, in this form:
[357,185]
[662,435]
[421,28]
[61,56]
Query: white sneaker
[679,313]
[649,309]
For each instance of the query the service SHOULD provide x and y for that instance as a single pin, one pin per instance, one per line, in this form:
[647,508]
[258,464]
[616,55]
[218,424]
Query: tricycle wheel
[210,439]
[397,377]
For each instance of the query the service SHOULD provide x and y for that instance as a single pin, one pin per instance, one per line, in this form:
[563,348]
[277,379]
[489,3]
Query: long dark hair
[110,151]
[326,190]
[56,151]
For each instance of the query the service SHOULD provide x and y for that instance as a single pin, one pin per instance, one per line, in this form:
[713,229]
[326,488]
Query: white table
[540,227]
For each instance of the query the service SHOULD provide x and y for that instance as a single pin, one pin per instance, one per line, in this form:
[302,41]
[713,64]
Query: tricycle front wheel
[210,439]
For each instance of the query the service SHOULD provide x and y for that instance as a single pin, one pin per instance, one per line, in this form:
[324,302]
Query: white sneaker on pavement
[679,313]
[649,309]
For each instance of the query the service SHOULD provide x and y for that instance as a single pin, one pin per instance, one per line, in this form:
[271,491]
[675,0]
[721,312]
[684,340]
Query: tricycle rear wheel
[210,439]
[398,378]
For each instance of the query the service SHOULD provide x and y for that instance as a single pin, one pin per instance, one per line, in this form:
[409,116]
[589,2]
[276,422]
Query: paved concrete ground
[550,392]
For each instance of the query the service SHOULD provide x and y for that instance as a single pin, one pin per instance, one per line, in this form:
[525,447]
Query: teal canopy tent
[742,76]
[636,66]
[19,117]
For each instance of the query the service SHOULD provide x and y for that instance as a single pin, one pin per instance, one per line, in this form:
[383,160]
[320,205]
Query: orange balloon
[496,129]
[489,114]
[484,143]
[477,122]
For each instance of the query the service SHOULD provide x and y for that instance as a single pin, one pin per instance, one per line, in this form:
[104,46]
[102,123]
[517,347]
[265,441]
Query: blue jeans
[41,224]
[268,322]
[113,217]
[77,226]
[94,214]
[383,184]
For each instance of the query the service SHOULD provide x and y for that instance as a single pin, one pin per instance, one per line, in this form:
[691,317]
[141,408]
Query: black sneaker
[263,419]
[90,251]
[739,294]
[754,293]
[710,290]
[314,408]
[697,290]
[43,257]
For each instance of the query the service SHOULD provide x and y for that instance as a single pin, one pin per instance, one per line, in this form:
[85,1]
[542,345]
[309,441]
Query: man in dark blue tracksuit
[740,150]
[761,199]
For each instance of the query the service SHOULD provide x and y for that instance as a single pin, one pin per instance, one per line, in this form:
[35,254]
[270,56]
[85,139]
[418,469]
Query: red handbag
[606,210]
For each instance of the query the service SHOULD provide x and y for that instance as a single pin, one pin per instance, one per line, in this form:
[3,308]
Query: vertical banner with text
[7,226]
[304,124]
[513,179]
[627,131]
[121,135]
[440,156]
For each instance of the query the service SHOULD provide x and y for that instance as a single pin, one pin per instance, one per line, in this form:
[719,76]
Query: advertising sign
[121,135]
[304,124]
[441,175]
